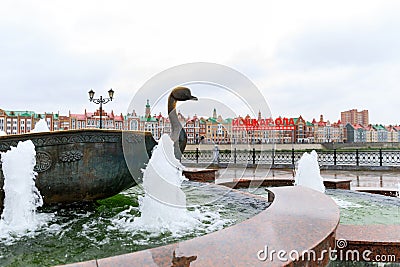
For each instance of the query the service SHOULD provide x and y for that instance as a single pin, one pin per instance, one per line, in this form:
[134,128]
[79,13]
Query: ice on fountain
[164,203]
[22,198]
[41,126]
[308,173]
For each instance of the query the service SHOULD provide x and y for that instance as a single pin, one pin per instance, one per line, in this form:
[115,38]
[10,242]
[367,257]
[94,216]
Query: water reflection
[383,179]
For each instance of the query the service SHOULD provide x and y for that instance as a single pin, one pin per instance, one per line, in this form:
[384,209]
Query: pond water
[358,208]
[105,228]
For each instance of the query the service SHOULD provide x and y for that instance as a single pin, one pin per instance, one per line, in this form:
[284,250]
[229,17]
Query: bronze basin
[84,165]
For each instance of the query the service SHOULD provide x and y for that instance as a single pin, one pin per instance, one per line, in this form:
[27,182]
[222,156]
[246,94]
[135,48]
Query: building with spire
[147,111]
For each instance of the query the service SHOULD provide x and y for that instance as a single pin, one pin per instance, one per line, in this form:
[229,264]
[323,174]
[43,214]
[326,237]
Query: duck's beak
[193,98]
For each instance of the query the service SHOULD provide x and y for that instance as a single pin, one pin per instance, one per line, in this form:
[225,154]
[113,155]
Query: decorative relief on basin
[69,138]
[71,156]
[43,161]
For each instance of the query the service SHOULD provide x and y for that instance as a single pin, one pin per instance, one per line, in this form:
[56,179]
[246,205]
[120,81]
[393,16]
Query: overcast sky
[306,57]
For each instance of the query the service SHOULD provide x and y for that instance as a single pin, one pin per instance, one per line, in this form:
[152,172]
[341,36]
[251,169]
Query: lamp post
[101,101]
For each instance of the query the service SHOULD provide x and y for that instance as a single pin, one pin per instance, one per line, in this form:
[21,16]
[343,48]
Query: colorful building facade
[212,130]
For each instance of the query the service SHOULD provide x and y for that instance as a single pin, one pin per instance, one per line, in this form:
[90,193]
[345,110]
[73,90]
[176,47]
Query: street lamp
[101,101]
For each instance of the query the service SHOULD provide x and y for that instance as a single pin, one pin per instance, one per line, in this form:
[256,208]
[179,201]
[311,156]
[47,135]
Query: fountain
[90,164]
[120,223]
[101,229]
[115,226]
[22,198]
[164,203]
[83,165]
[308,173]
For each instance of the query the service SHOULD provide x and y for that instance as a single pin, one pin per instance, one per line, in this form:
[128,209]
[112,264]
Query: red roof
[358,126]
[119,118]
[79,116]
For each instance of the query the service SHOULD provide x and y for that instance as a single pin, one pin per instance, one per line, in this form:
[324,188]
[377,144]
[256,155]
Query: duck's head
[182,94]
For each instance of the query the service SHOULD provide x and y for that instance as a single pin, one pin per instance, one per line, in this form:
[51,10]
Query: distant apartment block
[354,117]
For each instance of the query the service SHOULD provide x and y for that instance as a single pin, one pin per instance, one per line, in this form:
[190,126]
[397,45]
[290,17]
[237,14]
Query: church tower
[214,114]
[147,110]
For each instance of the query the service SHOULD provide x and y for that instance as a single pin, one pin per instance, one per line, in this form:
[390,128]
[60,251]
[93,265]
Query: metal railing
[325,158]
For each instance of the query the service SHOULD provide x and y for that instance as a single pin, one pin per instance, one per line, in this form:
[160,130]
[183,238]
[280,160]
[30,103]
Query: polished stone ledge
[379,239]
[200,175]
[298,219]
[390,192]
[282,181]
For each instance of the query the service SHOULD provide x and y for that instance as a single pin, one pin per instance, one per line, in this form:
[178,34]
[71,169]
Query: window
[133,125]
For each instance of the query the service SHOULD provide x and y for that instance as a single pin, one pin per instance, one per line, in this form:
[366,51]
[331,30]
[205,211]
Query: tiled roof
[119,118]
[19,113]
[379,127]
[150,119]
[80,117]
[357,126]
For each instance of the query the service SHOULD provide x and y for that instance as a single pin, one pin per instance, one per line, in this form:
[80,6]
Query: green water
[84,232]
[358,208]
[363,209]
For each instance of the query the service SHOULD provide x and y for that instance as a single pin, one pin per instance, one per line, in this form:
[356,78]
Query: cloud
[36,68]
[358,44]
[326,69]
[312,58]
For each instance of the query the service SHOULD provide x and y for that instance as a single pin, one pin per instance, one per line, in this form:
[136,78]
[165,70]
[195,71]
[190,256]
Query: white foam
[22,198]
[308,173]
[345,204]
[41,126]
[164,203]
[163,208]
